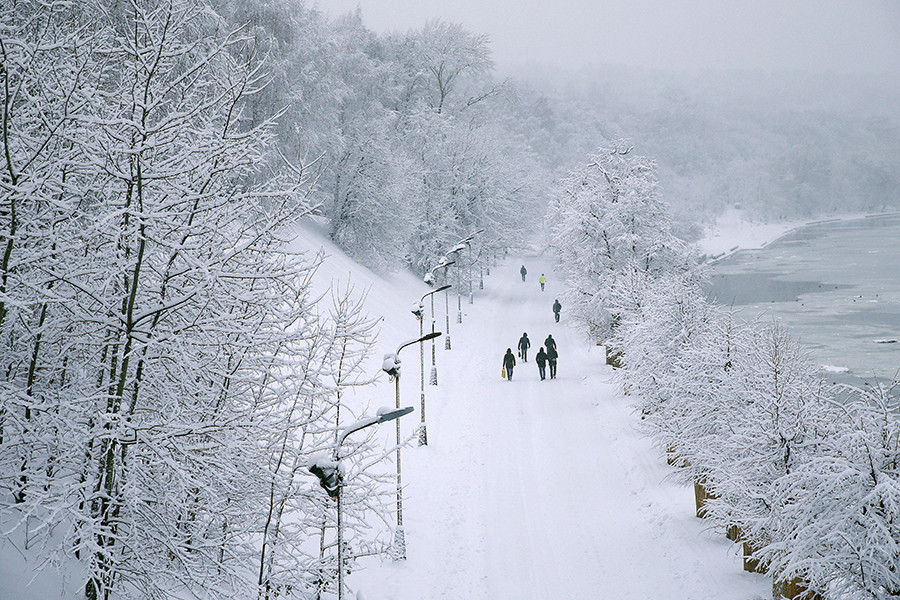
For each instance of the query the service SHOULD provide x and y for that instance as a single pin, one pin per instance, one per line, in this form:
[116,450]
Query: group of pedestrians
[542,279]
[546,356]
[543,358]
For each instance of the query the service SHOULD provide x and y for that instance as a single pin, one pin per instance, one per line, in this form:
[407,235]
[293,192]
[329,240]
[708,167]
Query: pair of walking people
[509,361]
[547,358]
[543,358]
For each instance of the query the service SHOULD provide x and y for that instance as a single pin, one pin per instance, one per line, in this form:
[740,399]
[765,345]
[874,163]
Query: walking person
[542,281]
[524,345]
[541,359]
[552,355]
[556,308]
[509,361]
[551,359]
[549,343]
[523,271]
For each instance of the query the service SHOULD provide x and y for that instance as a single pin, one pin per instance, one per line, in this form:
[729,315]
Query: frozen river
[835,285]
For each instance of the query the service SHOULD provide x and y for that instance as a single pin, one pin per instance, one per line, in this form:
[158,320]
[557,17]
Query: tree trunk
[795,588]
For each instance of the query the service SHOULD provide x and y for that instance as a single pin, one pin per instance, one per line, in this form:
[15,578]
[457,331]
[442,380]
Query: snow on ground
[534,489]
[527,489]
[734,230]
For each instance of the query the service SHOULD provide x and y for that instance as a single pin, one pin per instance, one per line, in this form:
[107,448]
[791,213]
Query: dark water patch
[740,289]
[834,285]
[888,320]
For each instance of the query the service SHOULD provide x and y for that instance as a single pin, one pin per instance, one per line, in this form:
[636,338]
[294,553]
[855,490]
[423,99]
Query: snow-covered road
[534,489]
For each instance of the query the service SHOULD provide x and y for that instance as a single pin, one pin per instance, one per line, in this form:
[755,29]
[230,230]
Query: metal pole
[382,418]
[340,538]
[423,436]
[399,535]
[458,295]
[447,313]
[433,380]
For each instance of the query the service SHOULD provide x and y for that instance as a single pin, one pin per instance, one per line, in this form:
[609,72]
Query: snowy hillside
[531,489]
[527,489]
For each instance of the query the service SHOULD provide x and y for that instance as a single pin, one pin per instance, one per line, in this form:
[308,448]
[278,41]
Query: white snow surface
[527,489]
[531,489]
[734,230]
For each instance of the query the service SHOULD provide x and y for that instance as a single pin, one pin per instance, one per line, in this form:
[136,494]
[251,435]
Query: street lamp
[462,245]
[429,279]
[459,247]
[330,474]
[391,366]
[419,312]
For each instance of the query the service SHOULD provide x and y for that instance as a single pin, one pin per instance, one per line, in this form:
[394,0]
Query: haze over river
[834,285]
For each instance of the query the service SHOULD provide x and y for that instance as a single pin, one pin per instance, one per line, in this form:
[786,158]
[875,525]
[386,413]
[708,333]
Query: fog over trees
[164,370]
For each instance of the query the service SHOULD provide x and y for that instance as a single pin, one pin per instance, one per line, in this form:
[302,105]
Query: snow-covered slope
[534,489]
[527,489]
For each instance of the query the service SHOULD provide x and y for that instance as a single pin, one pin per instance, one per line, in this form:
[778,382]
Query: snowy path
[534,489]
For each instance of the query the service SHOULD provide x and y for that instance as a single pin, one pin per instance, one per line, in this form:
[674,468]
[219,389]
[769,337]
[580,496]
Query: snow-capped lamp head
[391,364]
[328,472]
[429,279]
[418,309]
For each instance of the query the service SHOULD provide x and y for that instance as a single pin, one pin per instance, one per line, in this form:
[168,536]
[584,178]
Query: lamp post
[391,366]
[429,279]
[447,316]
[419,312]
[331,477]
[459,247]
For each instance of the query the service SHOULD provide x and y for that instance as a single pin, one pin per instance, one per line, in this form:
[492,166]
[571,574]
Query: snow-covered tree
[298,516]
[779,415]
[150,279]
[838,527]
[613,237]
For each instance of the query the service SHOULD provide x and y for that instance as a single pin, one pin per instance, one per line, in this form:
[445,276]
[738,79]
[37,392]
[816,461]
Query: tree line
[806,475]
[166,369]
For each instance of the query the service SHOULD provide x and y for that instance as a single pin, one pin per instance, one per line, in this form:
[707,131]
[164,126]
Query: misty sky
[809,35]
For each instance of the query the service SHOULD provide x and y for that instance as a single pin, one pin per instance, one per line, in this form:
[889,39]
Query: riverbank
[833,283]
[734,231]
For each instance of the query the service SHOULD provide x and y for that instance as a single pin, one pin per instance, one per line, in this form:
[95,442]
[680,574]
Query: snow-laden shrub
[778,416]
[806,475]
[838,519]
[613,237]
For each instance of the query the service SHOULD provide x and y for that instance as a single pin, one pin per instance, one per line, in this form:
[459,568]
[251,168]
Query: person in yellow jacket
[542,280]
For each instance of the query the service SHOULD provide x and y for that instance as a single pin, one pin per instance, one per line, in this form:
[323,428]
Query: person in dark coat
[556,308]
[524,345]
[541,359]
[551,358]
[509,361]
[523,271]
[549,343]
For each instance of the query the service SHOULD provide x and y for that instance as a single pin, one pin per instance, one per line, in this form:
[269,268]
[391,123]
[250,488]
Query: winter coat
[509,361]
[541,358]
[549,344]
[542,279]
[557,306]
[522,270]
[551,354]
[524,343]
